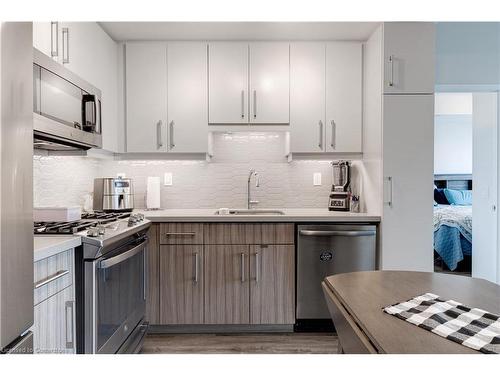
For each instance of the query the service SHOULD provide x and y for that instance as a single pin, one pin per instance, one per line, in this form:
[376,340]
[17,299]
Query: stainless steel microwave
[66,108]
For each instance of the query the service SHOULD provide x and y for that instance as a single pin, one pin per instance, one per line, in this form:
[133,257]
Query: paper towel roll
[153,193]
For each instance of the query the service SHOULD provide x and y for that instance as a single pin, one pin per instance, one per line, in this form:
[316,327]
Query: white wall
[467,53]
[453,144]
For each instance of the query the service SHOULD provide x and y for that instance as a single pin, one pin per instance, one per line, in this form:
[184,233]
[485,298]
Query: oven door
[119,296]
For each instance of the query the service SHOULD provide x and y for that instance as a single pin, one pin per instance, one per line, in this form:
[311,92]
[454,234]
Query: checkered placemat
[474,328]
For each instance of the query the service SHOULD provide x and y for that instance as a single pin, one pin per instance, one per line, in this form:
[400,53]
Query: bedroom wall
[453,144]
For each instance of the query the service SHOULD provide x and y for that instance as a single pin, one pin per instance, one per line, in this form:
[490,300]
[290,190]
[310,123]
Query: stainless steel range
[110,276]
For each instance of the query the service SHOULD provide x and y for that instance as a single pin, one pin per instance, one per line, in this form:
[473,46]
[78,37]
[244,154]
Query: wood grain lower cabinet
[153,276]
[54,324]
[181,284]
[272,284]
[221,273]
[227,284]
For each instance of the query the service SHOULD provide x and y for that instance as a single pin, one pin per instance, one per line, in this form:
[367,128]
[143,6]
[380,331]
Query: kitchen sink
[250,212]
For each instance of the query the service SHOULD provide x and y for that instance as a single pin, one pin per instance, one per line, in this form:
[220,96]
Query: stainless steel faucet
[251,202]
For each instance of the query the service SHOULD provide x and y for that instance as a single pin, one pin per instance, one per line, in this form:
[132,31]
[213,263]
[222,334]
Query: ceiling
[124,31]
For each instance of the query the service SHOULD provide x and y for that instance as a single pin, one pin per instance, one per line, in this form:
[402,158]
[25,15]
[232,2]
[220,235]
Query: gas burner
[100,215]
[89,220]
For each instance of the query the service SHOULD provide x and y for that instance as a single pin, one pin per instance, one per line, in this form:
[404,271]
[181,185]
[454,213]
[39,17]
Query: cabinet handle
[159,142]
[54,32]
[254,103]
[180,234]
[320,141]
[334,134]
[65,50]
[196,268]
[70,344]
[49,279]
[242,103]
[257,268]
[389,201]
[172,143]
[242,267]
[391,62]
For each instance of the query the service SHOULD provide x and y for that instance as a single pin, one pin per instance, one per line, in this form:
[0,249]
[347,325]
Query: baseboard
[221,328]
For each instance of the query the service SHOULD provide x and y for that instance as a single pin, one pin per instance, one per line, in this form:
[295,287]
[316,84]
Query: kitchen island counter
[292,215]
[46,246]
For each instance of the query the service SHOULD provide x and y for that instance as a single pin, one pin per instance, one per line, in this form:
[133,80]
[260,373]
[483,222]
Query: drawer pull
[180,234]
[49,279]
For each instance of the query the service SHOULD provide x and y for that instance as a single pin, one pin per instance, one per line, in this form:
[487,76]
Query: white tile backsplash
[222,182]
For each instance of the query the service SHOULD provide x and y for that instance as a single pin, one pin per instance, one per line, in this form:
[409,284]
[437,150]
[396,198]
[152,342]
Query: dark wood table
[356,300]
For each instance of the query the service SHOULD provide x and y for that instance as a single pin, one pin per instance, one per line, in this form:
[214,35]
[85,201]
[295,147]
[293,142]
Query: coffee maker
[340,197]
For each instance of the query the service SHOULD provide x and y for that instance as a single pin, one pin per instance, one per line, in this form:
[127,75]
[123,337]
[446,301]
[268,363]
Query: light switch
[317,179]
[168,179]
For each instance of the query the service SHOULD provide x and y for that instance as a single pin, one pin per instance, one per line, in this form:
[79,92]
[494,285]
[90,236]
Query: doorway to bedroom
[465,183]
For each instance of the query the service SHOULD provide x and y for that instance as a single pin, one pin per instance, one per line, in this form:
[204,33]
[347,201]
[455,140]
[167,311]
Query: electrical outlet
[317,179]
[168,179]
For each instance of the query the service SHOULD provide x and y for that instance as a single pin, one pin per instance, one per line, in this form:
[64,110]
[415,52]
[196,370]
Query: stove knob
[93,232]
[101,230]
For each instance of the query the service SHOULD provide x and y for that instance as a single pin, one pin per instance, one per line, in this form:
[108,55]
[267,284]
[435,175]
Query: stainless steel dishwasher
[325,250]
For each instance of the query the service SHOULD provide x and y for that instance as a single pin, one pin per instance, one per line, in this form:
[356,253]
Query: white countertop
[291,215]
[47,245]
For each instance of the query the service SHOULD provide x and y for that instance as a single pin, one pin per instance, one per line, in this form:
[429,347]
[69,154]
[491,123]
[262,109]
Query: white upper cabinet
[146,91]
[228,83]
[307,97]
[187,97]
[409,49]
[343,97]
[269,83]
[166,89]
[249,83]
[45,38]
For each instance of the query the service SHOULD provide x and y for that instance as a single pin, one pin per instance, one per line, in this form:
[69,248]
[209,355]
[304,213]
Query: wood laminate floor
[248,343]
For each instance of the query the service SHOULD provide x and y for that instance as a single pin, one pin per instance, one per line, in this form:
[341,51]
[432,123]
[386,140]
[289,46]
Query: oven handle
[107,263]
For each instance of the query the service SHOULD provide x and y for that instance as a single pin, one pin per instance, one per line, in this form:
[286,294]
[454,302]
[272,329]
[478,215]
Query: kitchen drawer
[230,234]
[181,233]
[270,234]
[53,274]
[243,233]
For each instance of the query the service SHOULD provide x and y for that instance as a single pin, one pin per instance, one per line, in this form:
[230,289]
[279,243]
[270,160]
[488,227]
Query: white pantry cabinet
[344,69]
[409,49]
[307,97]
[86,49]
[166,89]
[249,83]
[187,97]
[269,83]
[408,167]
[228,83]
[146,91]
[326,97]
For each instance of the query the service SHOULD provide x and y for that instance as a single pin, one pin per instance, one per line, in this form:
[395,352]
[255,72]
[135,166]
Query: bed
[453,224]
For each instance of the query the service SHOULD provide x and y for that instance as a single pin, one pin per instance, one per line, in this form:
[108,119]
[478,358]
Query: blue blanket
[451,246]
[453,233]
